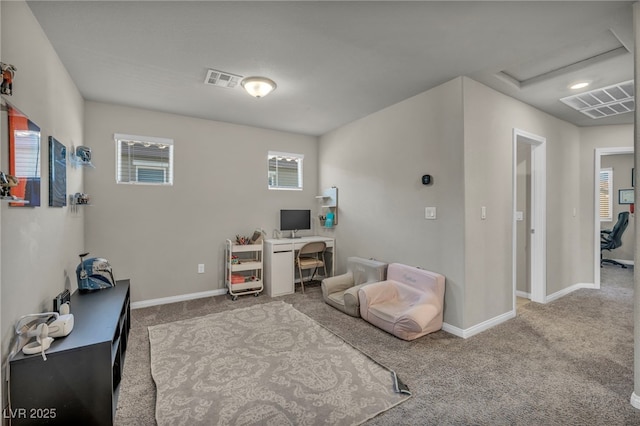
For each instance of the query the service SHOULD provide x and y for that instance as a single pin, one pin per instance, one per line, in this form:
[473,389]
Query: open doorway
[529,217]
[621,180]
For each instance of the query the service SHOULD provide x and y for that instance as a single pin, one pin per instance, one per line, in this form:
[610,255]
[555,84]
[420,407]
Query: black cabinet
[79,381]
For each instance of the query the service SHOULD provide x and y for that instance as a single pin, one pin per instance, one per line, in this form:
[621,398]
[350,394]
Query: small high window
[285,170]
[144,160]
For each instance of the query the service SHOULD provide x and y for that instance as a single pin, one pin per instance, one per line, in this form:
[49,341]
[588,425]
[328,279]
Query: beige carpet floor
[568,362]
[264,364]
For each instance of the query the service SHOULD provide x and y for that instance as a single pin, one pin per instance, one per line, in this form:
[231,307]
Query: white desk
[279,264]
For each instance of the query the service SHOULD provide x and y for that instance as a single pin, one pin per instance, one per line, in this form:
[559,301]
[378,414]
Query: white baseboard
[180,298]
[565,291]
[523,294]
[635,400]
[478,328]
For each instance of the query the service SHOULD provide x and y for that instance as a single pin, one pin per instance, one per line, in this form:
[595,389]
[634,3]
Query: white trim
[538,215]
[635,400]
[478,328]
[180,298]
[523,294]
[599,152]
[565,291]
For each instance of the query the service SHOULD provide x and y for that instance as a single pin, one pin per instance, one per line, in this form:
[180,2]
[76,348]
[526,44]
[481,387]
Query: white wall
[489,119]
[377,163]
[39,244]
[156,236]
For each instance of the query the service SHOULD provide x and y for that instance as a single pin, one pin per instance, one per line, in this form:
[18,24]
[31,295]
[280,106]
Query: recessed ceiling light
[579,85]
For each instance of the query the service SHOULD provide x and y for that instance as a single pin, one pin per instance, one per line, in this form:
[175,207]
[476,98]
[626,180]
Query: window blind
[27,153]
[605,199]
[144,160]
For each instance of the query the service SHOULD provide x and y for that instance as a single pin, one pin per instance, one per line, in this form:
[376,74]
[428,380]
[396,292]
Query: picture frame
[57,173]
[625,196]
[24,158]
[633,177]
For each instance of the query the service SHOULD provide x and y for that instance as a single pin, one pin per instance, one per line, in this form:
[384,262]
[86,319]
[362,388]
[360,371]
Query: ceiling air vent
[605,102]
[222,79]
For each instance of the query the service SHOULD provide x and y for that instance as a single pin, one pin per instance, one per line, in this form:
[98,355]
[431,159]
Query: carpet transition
[265,364]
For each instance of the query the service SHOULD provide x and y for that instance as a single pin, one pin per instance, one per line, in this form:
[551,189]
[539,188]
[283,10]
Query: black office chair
[612,238]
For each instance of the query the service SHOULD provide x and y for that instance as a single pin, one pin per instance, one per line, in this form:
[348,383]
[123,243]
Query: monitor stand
[293,233]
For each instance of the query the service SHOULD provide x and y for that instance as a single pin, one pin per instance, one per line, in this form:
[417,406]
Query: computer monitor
[295,220]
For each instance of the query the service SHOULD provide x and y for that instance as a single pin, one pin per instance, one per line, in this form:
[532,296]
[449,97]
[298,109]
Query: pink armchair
[408,304]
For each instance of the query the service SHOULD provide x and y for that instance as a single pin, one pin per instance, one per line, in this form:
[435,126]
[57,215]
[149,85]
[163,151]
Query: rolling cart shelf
[243,269]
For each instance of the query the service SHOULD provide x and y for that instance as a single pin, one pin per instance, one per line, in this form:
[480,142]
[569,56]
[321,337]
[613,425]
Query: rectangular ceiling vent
[222,79]
[604,102]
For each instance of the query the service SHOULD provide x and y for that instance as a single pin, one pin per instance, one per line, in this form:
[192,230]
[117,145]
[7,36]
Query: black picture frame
[625,196]
[57,173]
[633,177]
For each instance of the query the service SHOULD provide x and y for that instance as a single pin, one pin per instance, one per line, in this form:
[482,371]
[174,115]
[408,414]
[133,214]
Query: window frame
[123,139]
[299,158]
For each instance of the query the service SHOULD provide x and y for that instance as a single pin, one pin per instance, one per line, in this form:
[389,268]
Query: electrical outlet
[201,268]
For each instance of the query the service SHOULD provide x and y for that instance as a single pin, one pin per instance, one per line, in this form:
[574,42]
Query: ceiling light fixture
[258,87]
[579,85]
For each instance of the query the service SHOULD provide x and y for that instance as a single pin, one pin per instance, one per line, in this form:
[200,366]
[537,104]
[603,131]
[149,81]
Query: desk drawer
[298,246]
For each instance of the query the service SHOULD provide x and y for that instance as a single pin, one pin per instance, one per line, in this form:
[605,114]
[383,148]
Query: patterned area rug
[266,364]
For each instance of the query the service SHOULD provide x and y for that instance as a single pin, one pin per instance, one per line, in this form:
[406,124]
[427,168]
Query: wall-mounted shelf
[81,156]
[78,199]
[76,161]
[329,200]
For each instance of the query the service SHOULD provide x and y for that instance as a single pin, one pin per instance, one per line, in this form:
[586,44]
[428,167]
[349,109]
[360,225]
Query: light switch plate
[429,212]
[519,216]
[201,268]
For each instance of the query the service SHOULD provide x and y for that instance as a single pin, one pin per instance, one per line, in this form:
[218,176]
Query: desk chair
[311,256]
[612,238]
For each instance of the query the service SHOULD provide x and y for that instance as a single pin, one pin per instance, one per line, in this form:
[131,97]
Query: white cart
[243,269]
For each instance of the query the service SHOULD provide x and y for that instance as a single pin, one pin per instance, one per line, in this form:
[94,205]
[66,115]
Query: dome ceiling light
[258,87]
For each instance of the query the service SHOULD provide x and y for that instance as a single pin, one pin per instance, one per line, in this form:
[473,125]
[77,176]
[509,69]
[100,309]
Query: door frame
[599,152]
[538,250]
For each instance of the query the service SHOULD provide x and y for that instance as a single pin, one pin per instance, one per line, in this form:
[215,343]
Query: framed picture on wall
[625,196]
[633,177]
[57,173]
[24,158]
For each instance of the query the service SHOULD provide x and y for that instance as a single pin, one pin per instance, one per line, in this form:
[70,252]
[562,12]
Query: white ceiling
[335,62]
